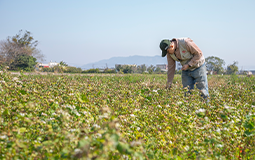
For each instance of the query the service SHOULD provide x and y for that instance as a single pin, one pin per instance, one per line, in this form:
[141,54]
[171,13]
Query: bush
[47,69]
[23,62]
[72,70]
[110,71]
[91,71]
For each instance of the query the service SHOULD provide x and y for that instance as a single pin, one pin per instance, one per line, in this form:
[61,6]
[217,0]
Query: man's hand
[185,67]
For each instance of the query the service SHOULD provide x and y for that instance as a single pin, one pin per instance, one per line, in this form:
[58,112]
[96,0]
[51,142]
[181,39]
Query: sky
[79,32]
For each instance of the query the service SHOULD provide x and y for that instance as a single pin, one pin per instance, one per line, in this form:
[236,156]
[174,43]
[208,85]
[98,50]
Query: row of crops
[124,117]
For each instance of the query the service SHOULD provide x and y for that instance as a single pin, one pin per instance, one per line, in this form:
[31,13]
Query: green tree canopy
[214,64]
[141,68]
[157,70]
[151,69]
[62,63]
[232,68]
[23,62]
[127,69]
[118,67]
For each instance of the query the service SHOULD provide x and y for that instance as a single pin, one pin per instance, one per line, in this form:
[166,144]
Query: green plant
[23,62]
[126,116]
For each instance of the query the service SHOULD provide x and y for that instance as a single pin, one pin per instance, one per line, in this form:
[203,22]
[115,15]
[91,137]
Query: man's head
[167,46]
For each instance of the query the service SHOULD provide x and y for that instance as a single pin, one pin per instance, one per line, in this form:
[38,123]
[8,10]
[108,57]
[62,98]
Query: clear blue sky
[85,31]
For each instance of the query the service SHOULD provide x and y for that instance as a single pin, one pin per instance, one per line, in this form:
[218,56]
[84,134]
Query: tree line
[19,52]
[216,65]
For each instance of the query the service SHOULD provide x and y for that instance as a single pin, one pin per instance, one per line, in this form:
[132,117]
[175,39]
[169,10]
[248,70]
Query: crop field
[119,116]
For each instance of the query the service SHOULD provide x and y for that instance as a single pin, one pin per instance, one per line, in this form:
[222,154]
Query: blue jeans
[198,77]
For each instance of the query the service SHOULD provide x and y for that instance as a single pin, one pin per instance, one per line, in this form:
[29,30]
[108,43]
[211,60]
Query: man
[192,60]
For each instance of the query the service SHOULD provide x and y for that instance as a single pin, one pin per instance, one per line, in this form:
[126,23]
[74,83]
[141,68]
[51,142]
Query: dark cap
[164,44]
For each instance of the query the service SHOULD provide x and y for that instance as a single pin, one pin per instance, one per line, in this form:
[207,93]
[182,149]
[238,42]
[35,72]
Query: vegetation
[232,68]
[23,62]
[141,68]
[215,64]
[137,69]
[62,63]
[124,117]
[19,52]
[126,68]
[62,69]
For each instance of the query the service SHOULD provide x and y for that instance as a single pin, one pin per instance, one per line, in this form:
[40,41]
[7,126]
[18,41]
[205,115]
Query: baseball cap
[164,44]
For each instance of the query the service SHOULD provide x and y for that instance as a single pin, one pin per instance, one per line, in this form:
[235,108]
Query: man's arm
[170,71]
[193,49]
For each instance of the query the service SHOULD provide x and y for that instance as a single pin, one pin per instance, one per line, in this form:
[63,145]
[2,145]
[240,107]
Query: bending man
[185,51]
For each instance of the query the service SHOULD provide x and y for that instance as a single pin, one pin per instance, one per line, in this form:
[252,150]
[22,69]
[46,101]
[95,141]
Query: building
[49,65]
[162,66]
[43,65]
[52,64]
[247,72]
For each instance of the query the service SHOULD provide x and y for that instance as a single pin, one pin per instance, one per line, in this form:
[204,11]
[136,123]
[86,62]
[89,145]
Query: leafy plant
[115,116]
[23,62]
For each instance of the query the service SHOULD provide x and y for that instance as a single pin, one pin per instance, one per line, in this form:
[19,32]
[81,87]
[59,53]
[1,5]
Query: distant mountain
[138,60]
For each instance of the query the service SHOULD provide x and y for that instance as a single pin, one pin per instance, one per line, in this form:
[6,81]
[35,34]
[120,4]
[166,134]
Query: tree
[72,70]
[127,69]
[23,62]
[142,68]
[91,71]
[107,70]
[151,69]
[157,70]
[58,69]
[62,63]
[14,47]
[118,67]
[232,68]
[214,64]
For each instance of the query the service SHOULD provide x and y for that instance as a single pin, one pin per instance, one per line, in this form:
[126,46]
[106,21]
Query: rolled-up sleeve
[171,69]
[193,49]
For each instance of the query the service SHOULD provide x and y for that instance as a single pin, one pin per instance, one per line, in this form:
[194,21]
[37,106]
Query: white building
[52,64]
[48,65]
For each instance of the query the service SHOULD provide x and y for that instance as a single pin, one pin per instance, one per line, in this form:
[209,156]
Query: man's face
[171,47]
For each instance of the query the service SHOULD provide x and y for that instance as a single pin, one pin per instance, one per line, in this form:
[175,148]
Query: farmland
[124,117]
